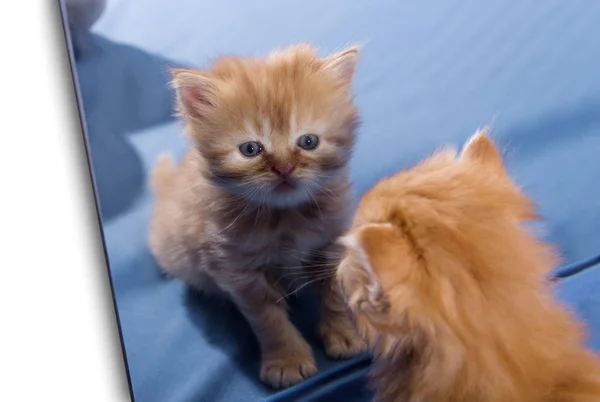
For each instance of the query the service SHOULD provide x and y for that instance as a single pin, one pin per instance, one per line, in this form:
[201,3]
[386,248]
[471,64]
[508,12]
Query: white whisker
[303,286]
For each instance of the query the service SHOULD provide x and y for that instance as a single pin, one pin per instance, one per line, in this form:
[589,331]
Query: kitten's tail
[163,174]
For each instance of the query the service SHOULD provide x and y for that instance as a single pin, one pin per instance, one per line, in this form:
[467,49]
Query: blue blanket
[430,74]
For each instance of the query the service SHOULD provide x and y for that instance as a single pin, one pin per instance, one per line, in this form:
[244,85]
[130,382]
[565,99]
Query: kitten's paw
[341,341]
[285,369]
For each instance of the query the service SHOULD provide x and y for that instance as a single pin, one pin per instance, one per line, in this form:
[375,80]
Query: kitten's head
[429,244]
[272,130]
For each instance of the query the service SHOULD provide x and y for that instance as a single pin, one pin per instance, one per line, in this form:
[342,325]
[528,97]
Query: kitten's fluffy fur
[220,220]
[450,289]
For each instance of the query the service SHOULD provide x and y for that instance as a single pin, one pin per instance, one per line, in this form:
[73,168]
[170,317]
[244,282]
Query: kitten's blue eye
[250,149]
[308,141]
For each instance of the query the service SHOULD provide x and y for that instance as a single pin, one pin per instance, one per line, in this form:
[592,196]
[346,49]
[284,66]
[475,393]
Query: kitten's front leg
[340,338]
[287,358]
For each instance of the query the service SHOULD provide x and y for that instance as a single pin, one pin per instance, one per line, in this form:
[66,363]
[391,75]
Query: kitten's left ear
[196,92]
[370,298]
[343,64]
[481,149]
[376,303]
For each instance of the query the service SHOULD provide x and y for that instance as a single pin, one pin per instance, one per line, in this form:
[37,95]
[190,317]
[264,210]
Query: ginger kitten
[450,289]
[262,194]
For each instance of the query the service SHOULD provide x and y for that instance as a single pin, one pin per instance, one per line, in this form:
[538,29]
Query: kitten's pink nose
[283,169]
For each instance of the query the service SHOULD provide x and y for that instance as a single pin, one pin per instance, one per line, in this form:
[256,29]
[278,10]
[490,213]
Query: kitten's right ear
[343,64]
[195,92]
[481,149]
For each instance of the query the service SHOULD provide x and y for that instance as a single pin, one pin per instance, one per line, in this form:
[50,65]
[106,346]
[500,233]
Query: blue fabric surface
[431,73]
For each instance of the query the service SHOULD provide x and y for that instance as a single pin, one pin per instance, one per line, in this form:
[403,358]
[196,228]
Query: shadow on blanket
[224,327]
[123,89]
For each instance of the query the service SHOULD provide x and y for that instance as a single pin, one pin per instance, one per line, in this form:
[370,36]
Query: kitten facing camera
[257,202]
[450,289]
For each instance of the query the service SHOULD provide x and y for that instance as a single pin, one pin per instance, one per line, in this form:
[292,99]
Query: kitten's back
[439,255]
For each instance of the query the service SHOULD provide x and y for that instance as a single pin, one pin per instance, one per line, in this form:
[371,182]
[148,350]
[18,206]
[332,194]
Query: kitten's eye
[250,149]
[308,141]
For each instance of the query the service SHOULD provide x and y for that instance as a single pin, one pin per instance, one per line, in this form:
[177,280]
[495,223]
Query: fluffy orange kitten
[262,194]
[449,288]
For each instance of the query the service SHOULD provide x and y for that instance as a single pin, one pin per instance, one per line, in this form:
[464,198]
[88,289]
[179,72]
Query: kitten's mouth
[284,186]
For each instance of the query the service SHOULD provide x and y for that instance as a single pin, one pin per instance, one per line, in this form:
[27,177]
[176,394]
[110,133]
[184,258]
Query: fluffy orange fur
[450,289]
[254,202]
